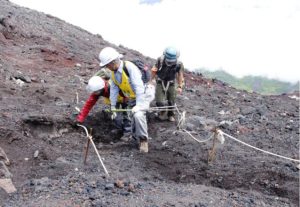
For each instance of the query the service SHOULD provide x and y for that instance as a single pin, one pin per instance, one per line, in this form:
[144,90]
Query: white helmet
[107,55]
[96,83]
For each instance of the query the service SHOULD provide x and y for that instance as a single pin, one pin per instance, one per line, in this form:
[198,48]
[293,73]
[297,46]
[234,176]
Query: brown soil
[45,52]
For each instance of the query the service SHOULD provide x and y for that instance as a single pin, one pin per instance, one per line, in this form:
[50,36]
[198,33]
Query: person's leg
[140,125]
[119,119]
[159,99]
[140,130]
[171,96]
[126,122]
[159,94]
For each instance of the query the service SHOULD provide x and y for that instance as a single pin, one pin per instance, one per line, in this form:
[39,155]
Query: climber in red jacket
[98,87]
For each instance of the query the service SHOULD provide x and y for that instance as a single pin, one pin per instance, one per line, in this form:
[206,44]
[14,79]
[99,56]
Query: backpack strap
[125,69]
[161,61]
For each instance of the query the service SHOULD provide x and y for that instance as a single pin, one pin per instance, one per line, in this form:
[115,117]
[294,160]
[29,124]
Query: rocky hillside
[258,84]
[44,65]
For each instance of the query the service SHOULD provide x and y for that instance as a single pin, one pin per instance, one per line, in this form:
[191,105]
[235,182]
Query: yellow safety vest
[124,86]
[107,101]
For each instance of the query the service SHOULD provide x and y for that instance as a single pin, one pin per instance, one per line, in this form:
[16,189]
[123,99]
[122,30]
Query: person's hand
[135,109]
[179,90]
[113,113]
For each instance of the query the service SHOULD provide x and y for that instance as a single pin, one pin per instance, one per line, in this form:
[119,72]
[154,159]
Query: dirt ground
[45,63]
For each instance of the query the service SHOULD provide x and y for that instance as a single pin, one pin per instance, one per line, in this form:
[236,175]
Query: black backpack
[161,62]
[145,69]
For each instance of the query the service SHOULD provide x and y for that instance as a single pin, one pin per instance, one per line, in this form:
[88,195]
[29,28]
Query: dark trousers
[169,94]
[123,119]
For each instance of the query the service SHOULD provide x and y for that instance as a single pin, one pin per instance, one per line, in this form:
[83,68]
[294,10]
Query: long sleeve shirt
[91,101]
[135,81]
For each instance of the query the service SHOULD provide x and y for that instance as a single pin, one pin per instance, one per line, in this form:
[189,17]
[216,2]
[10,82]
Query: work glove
[135,109]
[113,113]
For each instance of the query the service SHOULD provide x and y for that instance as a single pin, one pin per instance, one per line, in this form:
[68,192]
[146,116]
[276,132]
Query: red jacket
[91,102]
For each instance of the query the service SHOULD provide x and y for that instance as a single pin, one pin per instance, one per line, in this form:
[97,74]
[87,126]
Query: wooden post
[212,152]
[87,148]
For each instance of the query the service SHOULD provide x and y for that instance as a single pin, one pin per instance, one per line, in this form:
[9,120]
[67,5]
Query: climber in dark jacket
[168,71]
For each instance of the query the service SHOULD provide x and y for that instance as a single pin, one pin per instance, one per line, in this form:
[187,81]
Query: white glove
[135,109]
[113,114]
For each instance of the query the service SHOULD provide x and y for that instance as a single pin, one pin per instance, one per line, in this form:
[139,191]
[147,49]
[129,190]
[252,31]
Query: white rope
[77,99]
[181,119]
[287,158]
[181,122]
[155,109]
[149,109]
[197,140]
[163,107]
[90,137]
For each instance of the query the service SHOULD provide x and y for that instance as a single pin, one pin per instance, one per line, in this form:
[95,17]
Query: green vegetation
[257,84]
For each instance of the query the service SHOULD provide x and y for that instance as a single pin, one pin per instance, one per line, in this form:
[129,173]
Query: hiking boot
[143,146]
[171,119]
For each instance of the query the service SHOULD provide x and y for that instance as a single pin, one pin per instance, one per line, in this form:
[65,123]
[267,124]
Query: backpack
[166,73]
[145,70]
[161,62]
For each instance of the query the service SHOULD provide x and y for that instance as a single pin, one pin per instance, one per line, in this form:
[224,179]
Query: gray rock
[4,157]
[262,110]
[190,127]
[4,171]
[109,186]
[20,82]
[225,123]
[241,117]
[200,122]
[36,154]
[248,110]
[61,103]
[197,121]
[24,78]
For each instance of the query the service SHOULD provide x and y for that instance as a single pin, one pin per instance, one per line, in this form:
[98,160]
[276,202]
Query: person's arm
[87,107]
[154,69]
[136,82]
[153,72]
[114,92]
[180,79]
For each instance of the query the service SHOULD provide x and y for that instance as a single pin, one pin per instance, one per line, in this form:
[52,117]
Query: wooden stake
[87,148]
[93,144]
[212,152]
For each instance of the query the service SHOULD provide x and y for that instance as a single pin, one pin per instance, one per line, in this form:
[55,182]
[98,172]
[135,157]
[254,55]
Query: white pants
[139,125]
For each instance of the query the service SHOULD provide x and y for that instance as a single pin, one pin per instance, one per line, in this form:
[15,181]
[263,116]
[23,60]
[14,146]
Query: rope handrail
[220,132]
[197,140]
[244,143]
